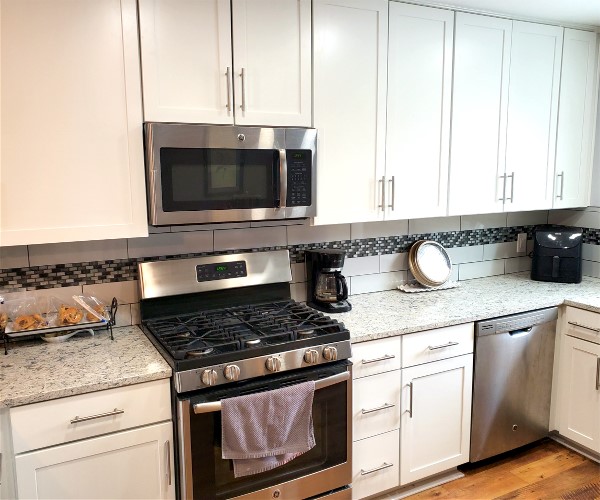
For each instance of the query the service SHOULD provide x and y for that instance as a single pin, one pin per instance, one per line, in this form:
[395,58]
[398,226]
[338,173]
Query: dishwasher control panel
[515,322]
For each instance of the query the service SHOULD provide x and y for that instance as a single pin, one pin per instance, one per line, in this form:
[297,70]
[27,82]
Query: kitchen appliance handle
[228,75]
[341,287]
[78,419]
[562,185]
[597,330]
[215,406]
[384,406]
[520,332]
[384,465]
[382,182]
[392,181]
[385,357]
[243,75]
[282,179]
[449,344]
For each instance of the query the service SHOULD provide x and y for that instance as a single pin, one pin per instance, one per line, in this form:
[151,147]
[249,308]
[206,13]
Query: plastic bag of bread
[27,313]
[95,309]
[3,315]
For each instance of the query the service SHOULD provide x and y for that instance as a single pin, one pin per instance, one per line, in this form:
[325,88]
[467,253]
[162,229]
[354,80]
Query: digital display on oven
[221,270]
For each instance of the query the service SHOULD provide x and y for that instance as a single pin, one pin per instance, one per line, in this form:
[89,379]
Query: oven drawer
[376,404]
[375,356]
[433,345]
[375,464]
[51,422]
[583,324]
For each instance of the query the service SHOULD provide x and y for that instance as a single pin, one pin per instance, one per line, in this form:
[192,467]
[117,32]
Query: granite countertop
[40,371]
[386,314]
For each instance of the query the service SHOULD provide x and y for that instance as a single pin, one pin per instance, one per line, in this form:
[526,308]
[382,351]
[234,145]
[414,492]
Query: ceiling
[569,12]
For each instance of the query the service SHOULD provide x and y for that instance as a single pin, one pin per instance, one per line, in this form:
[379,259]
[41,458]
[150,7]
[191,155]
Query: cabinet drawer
[375,464]
[583,324]
[376,356]
[49,423]
[376,404]
[433,345]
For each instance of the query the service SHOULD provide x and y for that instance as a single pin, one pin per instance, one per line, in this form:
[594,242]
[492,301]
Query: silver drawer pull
[384,465]
[375,360]
[383,407]
[449,344]
[598,374]
[116,411]
[597,330]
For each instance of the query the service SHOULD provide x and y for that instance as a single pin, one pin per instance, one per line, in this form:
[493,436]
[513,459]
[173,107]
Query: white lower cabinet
[375,464]
[436,417]
[129,464]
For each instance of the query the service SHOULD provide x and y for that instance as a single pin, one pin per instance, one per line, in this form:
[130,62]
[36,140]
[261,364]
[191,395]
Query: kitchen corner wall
[376,253]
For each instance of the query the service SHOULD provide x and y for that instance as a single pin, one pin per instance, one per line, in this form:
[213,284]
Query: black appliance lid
[558,236]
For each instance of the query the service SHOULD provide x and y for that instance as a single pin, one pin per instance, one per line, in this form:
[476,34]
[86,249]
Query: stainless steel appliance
[227,326]
[221,173]
[557,252]
[327,288]
[512,383]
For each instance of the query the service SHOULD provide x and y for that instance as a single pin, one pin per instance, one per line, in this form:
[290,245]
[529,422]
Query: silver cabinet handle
[449,344]
[562,185]
[410,408]
[382,407]
[503,188]
[392,181]
[168,460]
[597,330]
[598,374]
[78,419]
[382,182]
[228,75]
[375,360]
[512,187]
[384,465]
[282,178]
[243,75]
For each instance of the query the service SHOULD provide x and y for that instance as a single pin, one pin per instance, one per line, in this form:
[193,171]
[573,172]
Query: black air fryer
[557,254]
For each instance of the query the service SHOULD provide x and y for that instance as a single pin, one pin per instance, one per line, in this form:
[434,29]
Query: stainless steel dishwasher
[512,381]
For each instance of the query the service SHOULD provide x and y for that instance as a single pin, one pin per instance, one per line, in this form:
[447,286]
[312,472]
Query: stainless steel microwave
[221,173]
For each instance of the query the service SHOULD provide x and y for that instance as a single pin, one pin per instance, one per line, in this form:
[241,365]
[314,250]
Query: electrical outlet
[521,242]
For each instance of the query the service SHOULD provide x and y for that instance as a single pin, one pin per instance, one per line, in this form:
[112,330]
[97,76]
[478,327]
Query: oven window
[213,476]
[218,179]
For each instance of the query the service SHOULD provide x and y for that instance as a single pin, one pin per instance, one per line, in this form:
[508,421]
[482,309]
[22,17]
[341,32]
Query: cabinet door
[579,392]
[418,110]
[71,162]
[532,115]
[576,116]
[186,60]
[479,112]
[350,80]
[129,464]
[436,417]
[272,54]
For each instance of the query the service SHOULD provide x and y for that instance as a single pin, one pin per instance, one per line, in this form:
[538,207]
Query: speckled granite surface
[40,371]
[385,314]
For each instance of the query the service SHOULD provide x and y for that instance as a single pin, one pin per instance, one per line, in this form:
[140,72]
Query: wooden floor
[546,470]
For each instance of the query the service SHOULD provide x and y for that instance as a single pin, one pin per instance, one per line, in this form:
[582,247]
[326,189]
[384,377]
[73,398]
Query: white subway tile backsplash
[579,218]
[480,269]
[393,262]
[527,218]
[135,314]
[209,227]
[361,265]
[14,257]
[171,244]
[501,251]
[363,230]
[454,273]
[126,292]
[298,291]
[123,315]
[63,294]
[376,282]
[434,225]
[297,235]
[159,229]
[484,221]
[591,252]
[259,237]
[459,255]
[517,265]
[298,272]
[77,251]
[590,268]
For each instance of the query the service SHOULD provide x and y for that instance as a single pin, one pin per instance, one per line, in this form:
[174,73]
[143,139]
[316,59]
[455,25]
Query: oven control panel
[299,167]
[221,271]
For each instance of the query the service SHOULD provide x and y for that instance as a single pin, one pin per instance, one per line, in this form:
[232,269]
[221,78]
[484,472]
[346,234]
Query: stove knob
[330,353]
[311,356]
[209,377]
[273,364]
[232,372]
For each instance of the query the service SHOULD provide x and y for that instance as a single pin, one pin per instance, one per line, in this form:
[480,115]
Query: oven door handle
[319,384]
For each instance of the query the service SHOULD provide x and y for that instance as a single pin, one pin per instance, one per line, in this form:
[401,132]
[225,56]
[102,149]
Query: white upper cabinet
[532,115]
[418,110]
[203,62]
[576,117]
[350,77]
[71,157]
[479,113]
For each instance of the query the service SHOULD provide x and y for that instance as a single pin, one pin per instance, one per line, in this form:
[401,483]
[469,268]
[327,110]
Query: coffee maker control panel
[299,166]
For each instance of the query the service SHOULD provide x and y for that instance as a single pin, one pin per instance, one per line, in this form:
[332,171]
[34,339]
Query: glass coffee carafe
[331,287]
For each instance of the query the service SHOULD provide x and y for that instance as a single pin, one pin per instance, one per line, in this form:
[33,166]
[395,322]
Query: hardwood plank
[548,466]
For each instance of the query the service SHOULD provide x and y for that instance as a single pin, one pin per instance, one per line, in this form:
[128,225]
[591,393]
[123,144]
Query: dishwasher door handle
[521,332]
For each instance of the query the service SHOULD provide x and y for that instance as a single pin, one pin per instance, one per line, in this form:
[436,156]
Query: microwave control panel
[299,168]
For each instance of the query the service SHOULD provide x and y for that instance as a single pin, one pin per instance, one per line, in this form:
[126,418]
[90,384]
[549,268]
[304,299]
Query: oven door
[326,467]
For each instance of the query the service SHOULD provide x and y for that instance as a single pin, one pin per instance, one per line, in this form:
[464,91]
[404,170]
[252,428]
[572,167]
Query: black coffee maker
[327,289]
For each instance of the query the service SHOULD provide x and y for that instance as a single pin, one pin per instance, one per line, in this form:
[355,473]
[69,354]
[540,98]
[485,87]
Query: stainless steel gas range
[228,327]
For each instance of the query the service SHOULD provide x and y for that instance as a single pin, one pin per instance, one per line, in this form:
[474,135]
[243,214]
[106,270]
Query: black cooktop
[241,332]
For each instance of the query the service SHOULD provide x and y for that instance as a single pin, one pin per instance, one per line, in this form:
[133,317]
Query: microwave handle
[214,406]
[282,184]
